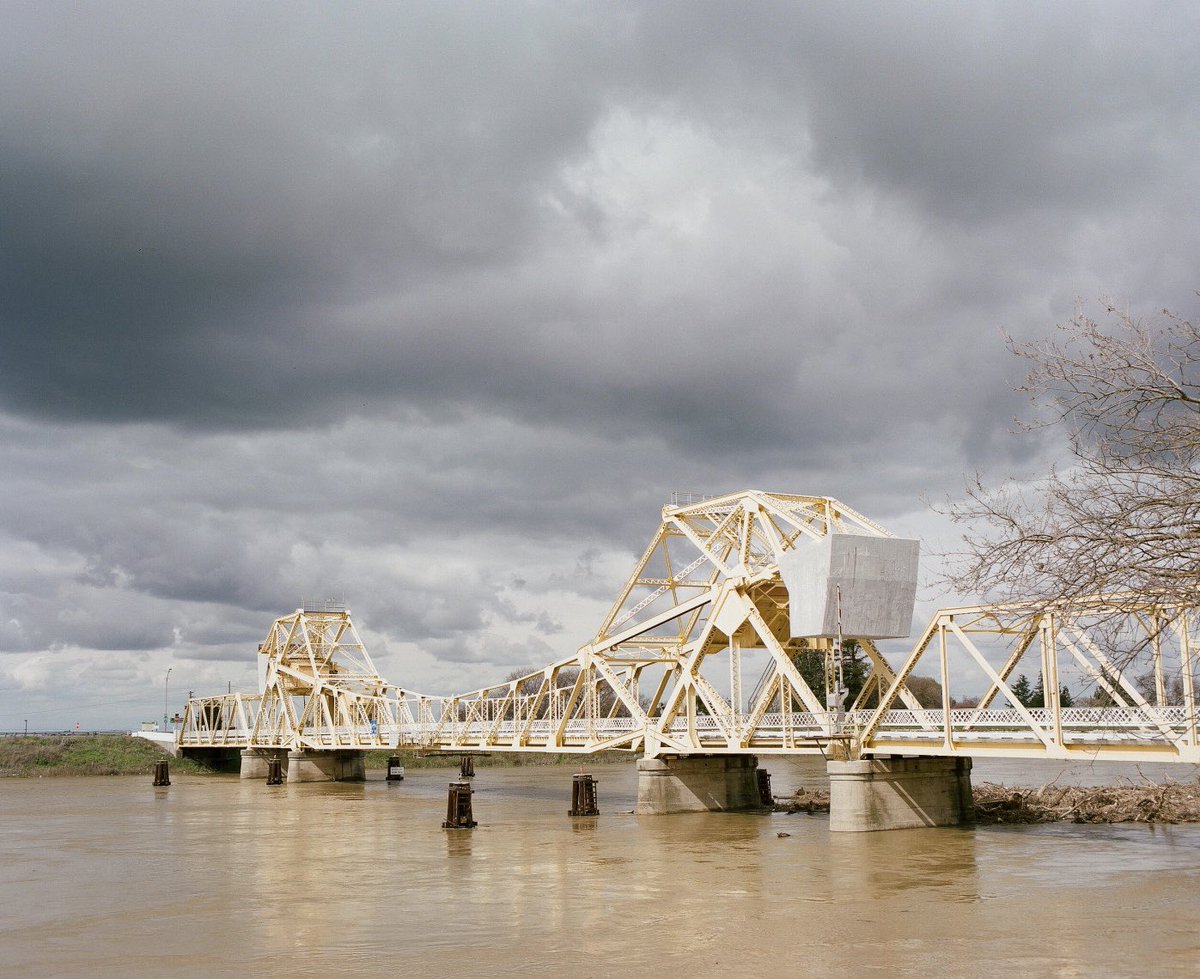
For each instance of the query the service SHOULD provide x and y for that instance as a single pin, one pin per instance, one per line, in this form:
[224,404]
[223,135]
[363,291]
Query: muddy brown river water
[218,876]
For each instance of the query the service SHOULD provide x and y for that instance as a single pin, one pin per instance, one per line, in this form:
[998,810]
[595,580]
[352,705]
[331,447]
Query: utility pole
[166,687]
[27,725]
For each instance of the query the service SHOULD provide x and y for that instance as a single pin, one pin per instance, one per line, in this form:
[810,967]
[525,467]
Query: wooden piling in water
[274,771]
[458,807]
[395,771]
[466,767]
[583,796]
[764,787]
[162,773]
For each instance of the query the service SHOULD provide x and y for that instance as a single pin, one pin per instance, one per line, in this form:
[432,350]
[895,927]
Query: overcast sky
[432,305]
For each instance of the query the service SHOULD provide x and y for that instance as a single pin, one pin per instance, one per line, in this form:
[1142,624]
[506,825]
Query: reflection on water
[458,843]
[216,875]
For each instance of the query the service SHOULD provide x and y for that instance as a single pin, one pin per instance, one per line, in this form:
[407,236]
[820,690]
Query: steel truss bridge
[696,656]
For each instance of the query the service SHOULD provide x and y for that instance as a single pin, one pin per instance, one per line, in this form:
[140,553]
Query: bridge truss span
[1136,654]
[320,692]
[697,656]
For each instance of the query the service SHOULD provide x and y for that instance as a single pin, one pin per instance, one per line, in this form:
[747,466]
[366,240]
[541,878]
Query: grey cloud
[273,243]
[433,305]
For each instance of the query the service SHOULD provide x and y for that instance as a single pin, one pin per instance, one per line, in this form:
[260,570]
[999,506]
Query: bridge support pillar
[697,783]
[899,793]
[254,762]
[326,766]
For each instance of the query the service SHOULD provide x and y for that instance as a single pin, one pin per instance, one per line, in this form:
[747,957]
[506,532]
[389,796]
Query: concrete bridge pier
[326,766]
[697,783]
[899,793]
[254,761]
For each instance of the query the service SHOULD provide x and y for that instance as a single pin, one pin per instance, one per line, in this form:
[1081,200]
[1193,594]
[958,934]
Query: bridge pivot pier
[899,793]
[697,783]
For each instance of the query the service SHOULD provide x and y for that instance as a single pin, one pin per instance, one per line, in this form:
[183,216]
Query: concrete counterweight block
[899,793]
[697,783]
[327,766]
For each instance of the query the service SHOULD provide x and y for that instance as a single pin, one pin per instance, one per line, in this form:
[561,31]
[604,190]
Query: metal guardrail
[1090,725]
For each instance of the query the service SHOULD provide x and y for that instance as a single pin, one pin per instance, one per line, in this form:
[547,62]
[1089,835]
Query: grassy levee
[86,754]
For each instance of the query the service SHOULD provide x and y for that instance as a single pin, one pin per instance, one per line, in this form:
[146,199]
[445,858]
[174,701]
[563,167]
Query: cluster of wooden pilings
[459,810]
[459,814]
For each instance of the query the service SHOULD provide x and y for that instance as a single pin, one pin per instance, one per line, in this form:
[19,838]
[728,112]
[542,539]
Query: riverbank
[45,755]
[1169,803]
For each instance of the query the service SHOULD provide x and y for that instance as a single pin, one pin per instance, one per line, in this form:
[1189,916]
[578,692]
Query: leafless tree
[1124,516]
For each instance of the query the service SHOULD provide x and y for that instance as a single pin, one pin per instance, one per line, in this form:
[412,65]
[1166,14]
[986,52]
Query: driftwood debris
[1170,802]
[804,801]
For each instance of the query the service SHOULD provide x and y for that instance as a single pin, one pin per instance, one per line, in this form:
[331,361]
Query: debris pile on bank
[803,801]
[1171,802]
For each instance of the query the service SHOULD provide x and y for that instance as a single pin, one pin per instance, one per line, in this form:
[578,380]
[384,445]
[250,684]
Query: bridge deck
[707,602]
[1159,734]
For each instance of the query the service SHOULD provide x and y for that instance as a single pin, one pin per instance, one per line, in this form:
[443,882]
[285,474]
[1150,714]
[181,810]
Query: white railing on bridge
[969,727]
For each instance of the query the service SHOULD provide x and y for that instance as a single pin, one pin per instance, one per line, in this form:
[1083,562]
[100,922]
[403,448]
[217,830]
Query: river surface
[218,876]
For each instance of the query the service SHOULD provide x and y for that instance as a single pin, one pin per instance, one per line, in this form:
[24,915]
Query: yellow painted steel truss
[705,604]
[1138,653]
[320,691]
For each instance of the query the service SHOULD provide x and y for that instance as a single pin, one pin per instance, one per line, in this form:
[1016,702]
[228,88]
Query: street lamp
[166,682]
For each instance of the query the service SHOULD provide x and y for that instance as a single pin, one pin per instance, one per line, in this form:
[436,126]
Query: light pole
[166,683]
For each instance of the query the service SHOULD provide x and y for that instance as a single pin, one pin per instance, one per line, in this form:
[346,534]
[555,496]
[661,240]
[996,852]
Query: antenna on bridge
[324,604]
[687,499]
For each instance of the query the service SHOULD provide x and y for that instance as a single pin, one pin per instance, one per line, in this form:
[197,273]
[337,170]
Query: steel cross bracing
[320,692]
[704,609]
[1139,653]
[706,588]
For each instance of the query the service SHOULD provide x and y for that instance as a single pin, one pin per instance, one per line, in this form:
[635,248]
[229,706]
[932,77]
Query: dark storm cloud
[188,196]
[282,213]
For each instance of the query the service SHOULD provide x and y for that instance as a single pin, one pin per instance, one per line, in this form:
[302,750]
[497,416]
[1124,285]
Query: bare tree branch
[1125,516]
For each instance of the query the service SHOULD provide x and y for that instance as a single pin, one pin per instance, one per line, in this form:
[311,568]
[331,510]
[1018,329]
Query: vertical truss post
[735,682]
[947,720]
[1160,692]
[1189,692]
[1051,697]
